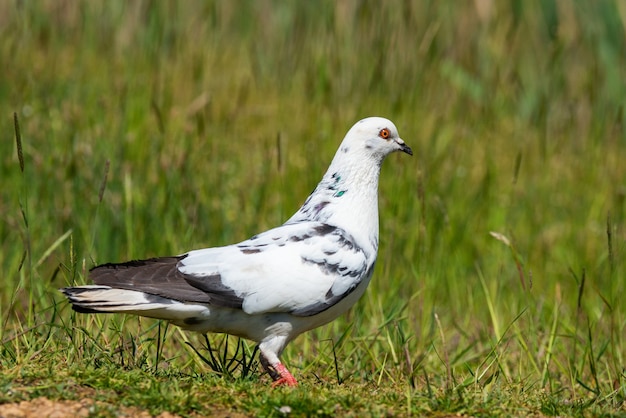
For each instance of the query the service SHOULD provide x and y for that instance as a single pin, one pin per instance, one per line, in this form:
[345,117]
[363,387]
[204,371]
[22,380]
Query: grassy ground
[499,284]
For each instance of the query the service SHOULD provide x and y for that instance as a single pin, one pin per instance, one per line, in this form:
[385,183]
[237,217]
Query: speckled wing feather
[302,269]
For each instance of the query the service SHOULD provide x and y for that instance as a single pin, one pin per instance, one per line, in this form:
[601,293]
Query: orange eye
[384,133]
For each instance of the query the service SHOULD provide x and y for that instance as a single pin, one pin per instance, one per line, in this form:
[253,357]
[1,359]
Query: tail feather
[106,299]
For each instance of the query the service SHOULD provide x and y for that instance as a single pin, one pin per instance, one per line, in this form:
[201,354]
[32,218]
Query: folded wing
[302,269]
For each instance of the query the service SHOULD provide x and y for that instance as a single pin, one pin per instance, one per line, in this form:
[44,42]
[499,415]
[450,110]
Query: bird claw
[285,378]
[278,373]
[285,381]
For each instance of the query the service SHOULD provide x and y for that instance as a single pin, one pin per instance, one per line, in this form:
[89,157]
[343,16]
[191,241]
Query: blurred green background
[212,121]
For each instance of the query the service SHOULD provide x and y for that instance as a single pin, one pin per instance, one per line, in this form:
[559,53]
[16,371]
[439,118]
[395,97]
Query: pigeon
[277,284]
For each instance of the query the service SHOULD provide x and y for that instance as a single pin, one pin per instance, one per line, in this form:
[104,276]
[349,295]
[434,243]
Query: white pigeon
[277,284]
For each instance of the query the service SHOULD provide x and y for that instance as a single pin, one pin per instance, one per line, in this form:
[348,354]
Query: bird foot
[279,373]
[285,378]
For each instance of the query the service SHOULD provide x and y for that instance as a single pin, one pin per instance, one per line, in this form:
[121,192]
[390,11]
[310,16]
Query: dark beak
[405,148]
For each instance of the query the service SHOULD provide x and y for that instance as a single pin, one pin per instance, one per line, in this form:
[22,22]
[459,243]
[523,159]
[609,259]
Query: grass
[150,129]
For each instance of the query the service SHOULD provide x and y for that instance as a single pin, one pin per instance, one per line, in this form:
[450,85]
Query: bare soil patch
[46,408]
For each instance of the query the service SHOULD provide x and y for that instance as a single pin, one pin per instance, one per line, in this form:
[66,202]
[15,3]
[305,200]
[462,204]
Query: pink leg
[279,373]
[285,377]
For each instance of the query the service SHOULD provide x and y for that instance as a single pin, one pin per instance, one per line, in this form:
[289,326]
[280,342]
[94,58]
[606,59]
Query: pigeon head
[376,136]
